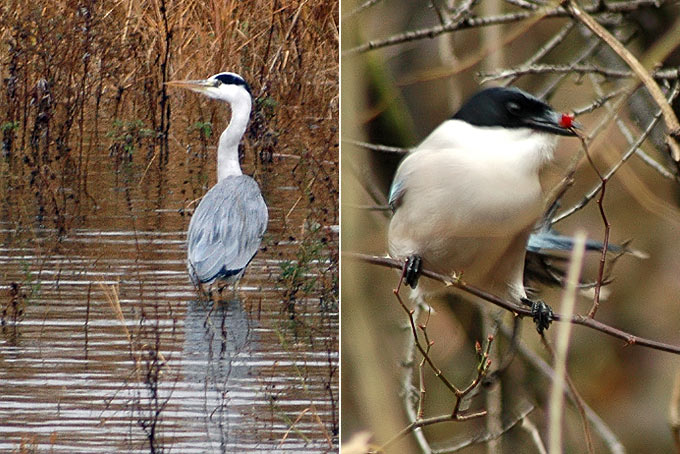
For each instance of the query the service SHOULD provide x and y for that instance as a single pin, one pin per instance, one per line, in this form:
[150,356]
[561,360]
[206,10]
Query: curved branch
[461,22]
[634,64]
[663,74]
[523,311]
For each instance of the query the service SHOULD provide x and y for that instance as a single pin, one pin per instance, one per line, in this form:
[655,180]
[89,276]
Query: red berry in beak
[566,121]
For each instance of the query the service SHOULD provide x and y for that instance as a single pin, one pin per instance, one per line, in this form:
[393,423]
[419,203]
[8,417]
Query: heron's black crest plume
[232,79]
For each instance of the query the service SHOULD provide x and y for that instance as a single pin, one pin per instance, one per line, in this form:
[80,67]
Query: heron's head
[226,86]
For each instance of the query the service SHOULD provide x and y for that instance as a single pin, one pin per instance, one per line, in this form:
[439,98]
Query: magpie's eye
[513,108]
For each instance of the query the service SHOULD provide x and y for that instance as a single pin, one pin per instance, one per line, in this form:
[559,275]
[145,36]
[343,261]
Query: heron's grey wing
[226,229]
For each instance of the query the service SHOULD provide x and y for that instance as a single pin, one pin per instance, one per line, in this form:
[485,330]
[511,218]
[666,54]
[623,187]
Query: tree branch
[475,22]
[522,311]
[655,92]
[630,152]
[661,74]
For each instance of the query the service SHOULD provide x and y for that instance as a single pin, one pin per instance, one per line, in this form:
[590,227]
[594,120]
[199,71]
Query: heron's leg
[220,292]
[541,313]
[411,271]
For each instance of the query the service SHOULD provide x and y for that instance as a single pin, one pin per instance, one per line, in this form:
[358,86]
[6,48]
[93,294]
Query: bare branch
[546,48]
[523,311]
[437,371]
[607,229]
[412,413]
[591,194]
[534,360]
[364,6]
[474,22]
[599,102]
[375,147]
[485,437]
[655,92]
[625,130]
[523,4]
[660,74]
[453,23]
[430,421]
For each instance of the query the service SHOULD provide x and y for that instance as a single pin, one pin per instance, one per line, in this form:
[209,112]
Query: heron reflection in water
[226,229]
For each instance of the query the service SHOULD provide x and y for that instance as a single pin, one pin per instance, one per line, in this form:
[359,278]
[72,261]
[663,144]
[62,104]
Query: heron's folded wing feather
[226,230]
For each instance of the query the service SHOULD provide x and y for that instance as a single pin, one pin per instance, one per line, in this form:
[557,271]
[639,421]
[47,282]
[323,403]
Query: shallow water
[114,352]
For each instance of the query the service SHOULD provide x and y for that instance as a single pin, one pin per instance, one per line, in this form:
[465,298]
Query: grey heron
[226,229]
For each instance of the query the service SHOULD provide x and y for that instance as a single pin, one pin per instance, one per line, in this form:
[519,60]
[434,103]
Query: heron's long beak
[194,85]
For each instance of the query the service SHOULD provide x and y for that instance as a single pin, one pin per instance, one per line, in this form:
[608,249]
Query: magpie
[468,197]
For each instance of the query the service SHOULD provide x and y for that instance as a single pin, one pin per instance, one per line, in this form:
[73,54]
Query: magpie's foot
[412,269]
[541,313]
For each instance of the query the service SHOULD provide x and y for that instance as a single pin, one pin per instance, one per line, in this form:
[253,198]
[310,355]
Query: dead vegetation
[83,97]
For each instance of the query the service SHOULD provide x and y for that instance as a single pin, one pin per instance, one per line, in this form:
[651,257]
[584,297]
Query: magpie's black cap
[512,108]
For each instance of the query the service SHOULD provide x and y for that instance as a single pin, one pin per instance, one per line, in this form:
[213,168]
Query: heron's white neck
[227,149]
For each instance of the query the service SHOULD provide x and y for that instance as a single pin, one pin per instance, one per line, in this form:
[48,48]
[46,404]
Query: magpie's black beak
[554,122]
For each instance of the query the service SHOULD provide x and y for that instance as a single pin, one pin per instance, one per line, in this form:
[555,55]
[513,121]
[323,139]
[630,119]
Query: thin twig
[366,181]
[437,371]
[485,437]
[523,311]
[631,150]
[546,48]
[421,378]
[440,13]
[412,413]
[661,74]
[586,52]
[647,159]
[367,4]
[456,414]
[535,361]
[454,23]
[523,4]
[475,22]
[431,421]
[531,428]
[653,88]
[597,103]
[607,229]
[376,147]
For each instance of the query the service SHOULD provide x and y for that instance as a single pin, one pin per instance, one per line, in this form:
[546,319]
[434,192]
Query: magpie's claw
[541,313]
[412,269]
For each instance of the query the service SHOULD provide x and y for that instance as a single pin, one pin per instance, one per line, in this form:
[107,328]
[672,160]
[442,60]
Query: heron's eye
[513,108]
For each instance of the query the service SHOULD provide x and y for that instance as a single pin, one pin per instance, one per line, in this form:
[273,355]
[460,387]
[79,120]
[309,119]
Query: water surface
[106,347]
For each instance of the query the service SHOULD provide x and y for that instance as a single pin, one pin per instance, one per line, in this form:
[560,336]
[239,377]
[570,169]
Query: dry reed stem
[556,404]
[674,411]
